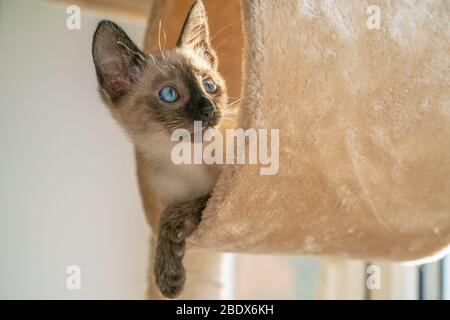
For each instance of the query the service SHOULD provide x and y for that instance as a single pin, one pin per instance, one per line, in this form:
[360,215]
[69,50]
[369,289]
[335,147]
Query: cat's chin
[214,123]
[209,125]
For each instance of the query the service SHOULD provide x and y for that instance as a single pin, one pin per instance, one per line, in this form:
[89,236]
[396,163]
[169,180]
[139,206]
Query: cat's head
[153,94]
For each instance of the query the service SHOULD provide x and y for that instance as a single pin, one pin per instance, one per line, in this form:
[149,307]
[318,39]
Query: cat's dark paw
[179,224]
[172,287]
[169,271]
[182,230]
[176,232]
[170,284]
[190,224]
[179,221]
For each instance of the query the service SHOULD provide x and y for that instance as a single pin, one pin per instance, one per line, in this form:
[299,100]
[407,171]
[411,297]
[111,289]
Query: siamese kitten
[150,95]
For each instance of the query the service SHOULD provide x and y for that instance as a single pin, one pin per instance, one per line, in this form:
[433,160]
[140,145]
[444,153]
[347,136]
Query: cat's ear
[195,33]
[118,61]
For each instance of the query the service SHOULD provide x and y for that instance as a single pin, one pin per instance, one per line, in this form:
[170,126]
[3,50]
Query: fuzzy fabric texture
[364,119]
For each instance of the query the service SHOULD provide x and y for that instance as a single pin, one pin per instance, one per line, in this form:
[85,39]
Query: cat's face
[154,94]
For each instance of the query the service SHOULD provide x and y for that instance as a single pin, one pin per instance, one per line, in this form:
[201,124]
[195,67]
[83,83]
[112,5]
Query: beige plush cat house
[361,98]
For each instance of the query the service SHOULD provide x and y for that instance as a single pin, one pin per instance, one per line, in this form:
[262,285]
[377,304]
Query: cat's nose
[206,109]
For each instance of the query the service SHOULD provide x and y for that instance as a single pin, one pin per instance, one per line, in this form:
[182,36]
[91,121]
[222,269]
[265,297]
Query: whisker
[224,41]
[165,39]
[153,58]
[156,63]
[159,41]
[134,52]
[221,30]
[223,53]
[233,103]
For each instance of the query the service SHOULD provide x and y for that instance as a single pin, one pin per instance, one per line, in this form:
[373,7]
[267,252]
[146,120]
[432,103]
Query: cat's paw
[181,226]
[169,271]
[179,232]
[172,286]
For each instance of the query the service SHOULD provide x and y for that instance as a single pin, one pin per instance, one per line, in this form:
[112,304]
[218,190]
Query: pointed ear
[118,61]
[195,33]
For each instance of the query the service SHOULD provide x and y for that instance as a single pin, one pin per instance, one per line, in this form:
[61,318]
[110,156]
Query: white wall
[67,186]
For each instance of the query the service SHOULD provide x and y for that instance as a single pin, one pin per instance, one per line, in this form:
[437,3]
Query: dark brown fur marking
[178,222]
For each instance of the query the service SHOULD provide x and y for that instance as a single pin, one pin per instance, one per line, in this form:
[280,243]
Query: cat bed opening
[364,120]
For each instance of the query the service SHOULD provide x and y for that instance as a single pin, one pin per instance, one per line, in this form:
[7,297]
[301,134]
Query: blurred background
[68,191]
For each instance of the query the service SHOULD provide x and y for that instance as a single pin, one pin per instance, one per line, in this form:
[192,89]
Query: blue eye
[209,85]
[168,94]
